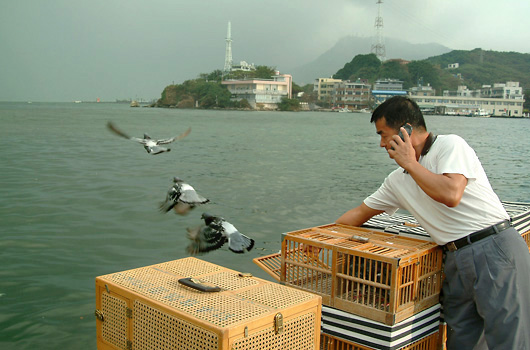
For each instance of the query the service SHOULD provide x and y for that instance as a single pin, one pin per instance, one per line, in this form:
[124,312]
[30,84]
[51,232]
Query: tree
[264,72]
[261,72]
[289,104]
[369,61]
[296,89]
[243,104]
[424,71]
[216,75]
[395,70]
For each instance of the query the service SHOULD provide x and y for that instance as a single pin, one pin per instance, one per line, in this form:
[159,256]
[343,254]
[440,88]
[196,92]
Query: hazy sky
[66,50]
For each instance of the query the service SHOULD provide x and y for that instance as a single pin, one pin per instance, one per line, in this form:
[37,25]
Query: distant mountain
[348,47]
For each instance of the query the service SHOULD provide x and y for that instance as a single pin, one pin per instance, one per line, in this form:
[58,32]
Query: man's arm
[447,189]
[357,216]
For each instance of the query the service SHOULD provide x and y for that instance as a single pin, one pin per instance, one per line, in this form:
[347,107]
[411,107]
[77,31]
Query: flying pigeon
[150,145]
[181,197]
[214,235]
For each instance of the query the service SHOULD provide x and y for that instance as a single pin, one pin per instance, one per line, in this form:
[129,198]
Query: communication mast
[228,54]
[379,47]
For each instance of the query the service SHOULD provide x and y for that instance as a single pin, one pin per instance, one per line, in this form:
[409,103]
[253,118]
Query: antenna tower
[228,54]
[379,47]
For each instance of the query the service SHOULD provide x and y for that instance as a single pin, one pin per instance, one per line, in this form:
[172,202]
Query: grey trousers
[487,290]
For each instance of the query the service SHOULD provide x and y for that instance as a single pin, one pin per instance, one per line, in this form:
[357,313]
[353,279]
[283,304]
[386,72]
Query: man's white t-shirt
[479,208]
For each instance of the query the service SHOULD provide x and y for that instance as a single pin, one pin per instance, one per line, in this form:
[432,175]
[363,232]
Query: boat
[135,104]
[480,113]
[343,110]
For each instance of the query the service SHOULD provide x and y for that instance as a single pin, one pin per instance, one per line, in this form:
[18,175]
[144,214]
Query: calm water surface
[77,202]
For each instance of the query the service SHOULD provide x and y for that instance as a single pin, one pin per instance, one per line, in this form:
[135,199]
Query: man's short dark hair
[399,110]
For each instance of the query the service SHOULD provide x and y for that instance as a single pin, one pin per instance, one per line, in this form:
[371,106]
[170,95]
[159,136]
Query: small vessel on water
[480,113]
[135,104]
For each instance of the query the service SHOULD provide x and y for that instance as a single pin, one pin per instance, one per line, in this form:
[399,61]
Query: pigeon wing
[166,206]
[120,133]
[172,139]
[204,239]
[117,131]
[172,197]
[192,197]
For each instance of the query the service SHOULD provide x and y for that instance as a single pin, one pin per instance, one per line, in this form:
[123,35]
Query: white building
[509,90]
[503,99]
[261,93]
[466,105]
[243,66]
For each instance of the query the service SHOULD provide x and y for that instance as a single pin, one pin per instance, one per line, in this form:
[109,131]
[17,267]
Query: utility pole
[379,47]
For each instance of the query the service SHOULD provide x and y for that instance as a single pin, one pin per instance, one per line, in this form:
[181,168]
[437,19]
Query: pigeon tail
[238,243]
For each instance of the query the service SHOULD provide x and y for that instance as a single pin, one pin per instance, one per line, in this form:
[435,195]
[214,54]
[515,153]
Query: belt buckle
[451,246]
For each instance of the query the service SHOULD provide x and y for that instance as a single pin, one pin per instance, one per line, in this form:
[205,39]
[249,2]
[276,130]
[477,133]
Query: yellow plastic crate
[151,308]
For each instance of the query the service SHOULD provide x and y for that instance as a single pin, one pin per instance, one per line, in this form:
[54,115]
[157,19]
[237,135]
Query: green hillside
[479,67]
[476,68]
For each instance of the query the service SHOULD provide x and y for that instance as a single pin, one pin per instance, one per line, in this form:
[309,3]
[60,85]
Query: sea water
[77,201]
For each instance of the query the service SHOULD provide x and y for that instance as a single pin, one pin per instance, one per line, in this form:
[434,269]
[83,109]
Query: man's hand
[402,151]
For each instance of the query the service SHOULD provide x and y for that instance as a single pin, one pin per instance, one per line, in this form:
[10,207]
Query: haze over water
[77,202]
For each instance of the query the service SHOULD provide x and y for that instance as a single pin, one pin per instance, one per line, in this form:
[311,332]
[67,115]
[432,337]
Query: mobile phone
[408,129]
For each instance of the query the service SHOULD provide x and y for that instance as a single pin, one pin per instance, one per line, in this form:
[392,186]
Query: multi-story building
[386,88]
[388,85]
[500,100]
[352,95]
[261,93]
[509,90]
[422,90]
[461,91]
[325,88]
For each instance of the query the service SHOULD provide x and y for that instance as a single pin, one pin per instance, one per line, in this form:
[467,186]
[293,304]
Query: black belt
[477,236]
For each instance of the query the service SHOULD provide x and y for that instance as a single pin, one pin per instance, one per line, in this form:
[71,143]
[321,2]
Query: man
[443,184]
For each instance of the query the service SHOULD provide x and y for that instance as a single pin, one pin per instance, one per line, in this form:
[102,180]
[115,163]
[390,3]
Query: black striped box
[376,335]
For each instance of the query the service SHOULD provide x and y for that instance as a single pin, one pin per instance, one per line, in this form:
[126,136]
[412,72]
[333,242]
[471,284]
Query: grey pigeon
[181,197]
[150,145]
[214,234]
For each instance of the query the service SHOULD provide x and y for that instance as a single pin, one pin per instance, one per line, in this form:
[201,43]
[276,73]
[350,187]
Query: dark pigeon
[214,234]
